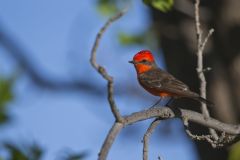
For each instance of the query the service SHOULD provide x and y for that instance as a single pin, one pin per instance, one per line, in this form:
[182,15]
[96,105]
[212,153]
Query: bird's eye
[144,60]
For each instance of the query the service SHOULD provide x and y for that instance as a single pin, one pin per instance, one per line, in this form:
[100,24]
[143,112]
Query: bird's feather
[161,81]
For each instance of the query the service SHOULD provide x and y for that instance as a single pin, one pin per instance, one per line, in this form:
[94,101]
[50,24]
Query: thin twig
[208,138]
[200,48]
[220,142]
[210,32]
[200,58]
[99,36]
[147,135]
[101,69]
[197,23]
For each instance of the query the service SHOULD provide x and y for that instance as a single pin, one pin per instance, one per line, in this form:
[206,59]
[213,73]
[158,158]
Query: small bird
[159,82]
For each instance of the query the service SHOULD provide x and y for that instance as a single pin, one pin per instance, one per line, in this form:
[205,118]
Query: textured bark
[176,35]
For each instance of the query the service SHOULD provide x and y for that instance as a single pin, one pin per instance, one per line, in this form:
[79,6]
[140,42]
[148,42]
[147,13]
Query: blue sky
[59,35]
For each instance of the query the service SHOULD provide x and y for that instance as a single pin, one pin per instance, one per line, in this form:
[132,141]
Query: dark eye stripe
[146,62]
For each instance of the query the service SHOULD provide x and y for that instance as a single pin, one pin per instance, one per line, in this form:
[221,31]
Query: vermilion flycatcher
[159,82]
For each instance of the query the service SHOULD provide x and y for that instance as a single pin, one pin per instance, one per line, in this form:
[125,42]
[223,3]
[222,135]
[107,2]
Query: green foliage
[4,117]
[29,152]
[72,155]
[5,91]
[6,96]
[76,156]
[147,38]
[234,153]
[162,5]
[36,152]
[127,39]
[15,152]
[107,6]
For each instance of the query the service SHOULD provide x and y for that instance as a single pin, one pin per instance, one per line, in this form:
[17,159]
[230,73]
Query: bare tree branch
[112,134]
[147,135]
[200,59]
[192,116]
[220,142]
[200,48]
[101,70]
[210,32]
[165,113]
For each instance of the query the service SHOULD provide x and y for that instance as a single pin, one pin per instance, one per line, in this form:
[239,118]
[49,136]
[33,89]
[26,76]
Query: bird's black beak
[131,62]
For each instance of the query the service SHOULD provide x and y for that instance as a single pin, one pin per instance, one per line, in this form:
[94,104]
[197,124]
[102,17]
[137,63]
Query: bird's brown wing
[161,81]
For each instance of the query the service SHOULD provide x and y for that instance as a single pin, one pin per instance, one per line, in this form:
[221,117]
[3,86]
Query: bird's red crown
[144,54]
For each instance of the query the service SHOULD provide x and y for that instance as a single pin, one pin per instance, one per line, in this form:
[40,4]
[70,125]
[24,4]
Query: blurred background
[53,104]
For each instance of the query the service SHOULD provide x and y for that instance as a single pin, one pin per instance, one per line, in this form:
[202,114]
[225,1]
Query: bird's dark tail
[207,102]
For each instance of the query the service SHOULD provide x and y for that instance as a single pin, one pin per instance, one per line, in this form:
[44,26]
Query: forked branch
[201,43]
